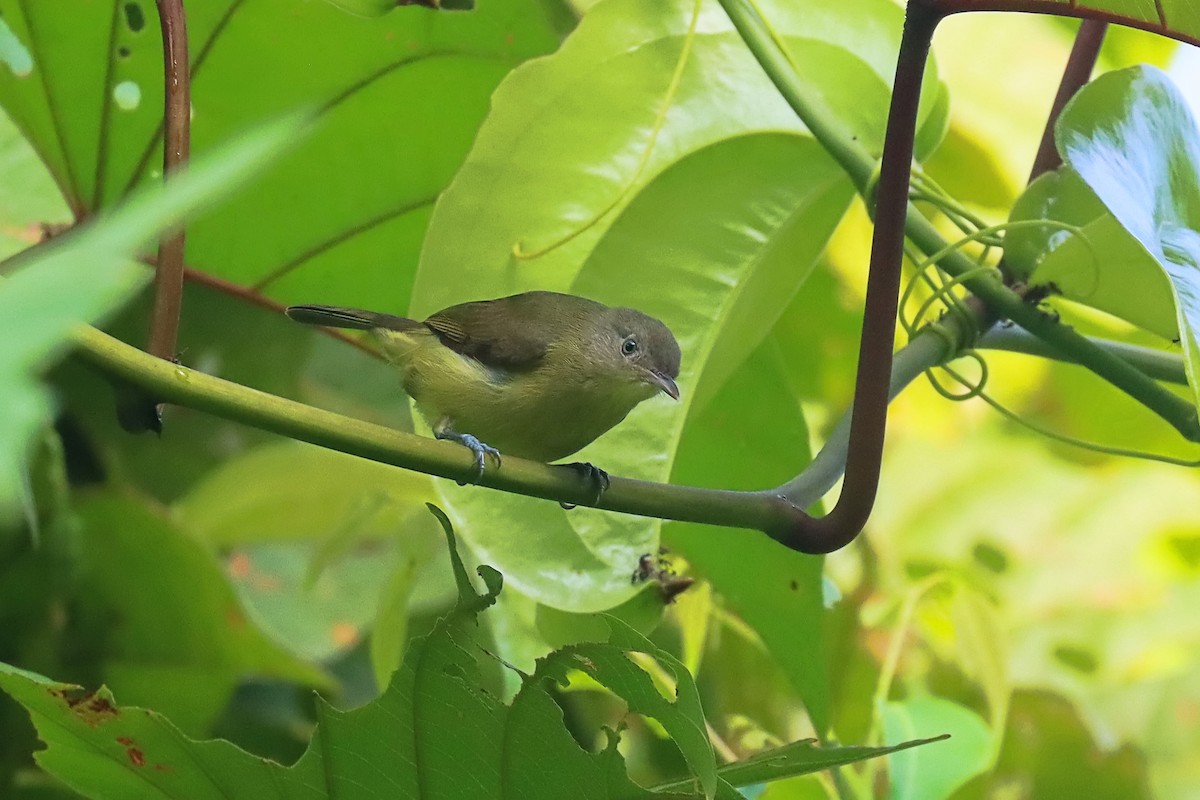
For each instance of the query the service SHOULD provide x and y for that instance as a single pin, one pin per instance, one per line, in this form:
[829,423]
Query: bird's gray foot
[477,447]
[597,476]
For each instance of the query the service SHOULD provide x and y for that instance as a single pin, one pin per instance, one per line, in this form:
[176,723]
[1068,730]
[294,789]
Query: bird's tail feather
[356,318]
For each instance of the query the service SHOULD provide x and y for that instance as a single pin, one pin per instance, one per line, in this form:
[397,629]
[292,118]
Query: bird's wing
[512,333]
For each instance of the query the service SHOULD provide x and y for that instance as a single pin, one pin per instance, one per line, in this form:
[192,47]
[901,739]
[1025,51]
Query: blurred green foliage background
[1034,600]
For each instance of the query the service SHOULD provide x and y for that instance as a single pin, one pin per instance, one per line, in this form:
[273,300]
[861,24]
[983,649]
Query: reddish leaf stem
[253,297]
[168,277]
[1055,8]
[1076,74]
[868,420]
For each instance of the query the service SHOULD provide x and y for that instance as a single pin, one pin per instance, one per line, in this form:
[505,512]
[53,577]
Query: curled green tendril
[977,390]
[943,293]
[955,306]
[973,390]
[942,288]
[926,189]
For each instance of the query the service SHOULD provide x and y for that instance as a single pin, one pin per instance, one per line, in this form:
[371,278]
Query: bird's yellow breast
[543,414]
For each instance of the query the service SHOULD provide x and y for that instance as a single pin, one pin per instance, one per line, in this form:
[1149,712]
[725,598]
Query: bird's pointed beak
[663,382]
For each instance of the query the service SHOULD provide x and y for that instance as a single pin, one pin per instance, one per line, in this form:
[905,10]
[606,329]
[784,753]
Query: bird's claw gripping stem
[591,472]
[477,447]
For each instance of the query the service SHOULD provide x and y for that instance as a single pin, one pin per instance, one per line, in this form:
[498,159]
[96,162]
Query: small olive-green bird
[536,375]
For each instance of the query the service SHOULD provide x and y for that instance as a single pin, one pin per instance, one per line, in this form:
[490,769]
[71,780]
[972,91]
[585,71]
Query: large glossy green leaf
[1133,140]
[752,435]
[725,202]
[573,137]
[986,156]
[400,745]
[398,100]
[650,163]
[1097,267]
[1130,143]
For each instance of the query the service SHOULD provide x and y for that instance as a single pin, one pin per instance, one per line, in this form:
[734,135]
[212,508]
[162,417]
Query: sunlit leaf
[620,169]
[981,649]
[753,435]
[582,560]
[1130,142]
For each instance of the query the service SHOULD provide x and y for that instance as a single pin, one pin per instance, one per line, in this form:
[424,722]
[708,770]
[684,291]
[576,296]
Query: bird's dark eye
[629,346]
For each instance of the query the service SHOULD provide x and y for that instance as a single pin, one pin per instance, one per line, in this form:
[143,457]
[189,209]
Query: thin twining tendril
[932,260]
[944,294]
[935,280]
[977,390]
[926,189]
[518,250]
[922,188]
[941,289]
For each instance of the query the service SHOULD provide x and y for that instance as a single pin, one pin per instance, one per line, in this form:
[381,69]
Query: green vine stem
[766,511]
[1158,364]
[776,511]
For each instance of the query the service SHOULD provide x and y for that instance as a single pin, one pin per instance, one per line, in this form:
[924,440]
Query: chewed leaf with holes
[1131,181]
[84,82]
[434,733]
[613,664]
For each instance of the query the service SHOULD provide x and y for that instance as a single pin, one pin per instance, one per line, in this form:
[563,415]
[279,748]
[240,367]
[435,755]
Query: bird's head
[639,351]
